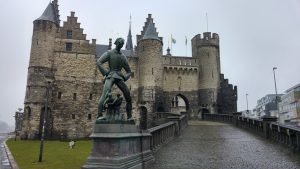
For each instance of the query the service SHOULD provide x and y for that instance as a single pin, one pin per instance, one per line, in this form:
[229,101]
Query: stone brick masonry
[62,57]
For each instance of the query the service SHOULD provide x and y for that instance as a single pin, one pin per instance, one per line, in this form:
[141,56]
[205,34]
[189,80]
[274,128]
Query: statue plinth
[119,146]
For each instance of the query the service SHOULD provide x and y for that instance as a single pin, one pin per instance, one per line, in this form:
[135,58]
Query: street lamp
[44,123]
[274,68]
[247,102]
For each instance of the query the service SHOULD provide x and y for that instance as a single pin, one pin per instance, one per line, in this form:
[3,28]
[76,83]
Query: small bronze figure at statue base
[117,142]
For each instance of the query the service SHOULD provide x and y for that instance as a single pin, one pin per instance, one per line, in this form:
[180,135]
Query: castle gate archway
[180,104]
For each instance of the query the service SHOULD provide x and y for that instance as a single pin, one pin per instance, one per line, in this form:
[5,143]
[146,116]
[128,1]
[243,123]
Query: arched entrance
[179,104]
[49,123]
[143,120]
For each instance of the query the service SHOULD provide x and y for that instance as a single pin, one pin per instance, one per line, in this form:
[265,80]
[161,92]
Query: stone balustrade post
[236,117]
[267,120]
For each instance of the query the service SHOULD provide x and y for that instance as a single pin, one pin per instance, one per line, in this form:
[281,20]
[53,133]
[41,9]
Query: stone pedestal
[119,146]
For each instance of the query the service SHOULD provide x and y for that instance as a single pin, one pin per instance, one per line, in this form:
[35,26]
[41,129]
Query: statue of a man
[116,61]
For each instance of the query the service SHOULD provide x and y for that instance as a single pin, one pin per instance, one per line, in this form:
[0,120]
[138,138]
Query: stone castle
[63,77]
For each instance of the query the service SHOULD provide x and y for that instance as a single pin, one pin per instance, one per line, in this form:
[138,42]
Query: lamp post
[247,102]
[274,68]
[44,123]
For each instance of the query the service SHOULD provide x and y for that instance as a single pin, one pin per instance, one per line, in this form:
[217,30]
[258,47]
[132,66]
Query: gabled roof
[151,32]
[50,14]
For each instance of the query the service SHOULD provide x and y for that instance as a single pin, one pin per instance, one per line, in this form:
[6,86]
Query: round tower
[149,52]
[40,70]
[206,50]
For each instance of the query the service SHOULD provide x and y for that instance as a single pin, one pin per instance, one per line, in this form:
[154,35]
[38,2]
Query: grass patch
[57,155]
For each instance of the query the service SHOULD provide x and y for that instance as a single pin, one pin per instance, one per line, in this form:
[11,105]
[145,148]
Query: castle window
[91,96]
[69,34]
[69,46]
[59,95]
[74,96]
[206,38]
[152,71]
[132,74]
[89,117]
[73,116]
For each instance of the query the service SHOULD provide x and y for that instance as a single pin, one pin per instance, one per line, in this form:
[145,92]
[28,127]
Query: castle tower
[149,52]
[40,71]
[206,50]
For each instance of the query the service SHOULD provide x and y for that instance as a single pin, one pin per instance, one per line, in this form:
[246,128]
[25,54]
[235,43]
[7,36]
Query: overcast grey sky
[255,35]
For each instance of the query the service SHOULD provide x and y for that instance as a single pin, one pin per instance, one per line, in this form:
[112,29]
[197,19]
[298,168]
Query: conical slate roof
[50,14]
[151,32]
[129,45]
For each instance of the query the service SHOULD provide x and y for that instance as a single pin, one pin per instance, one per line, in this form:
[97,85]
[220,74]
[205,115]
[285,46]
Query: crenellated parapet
[207,39]
[179,61]
[180,64]
[227,97]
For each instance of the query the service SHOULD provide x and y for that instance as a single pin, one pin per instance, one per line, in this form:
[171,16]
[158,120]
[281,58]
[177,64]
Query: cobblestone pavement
[4,163]
[209,145]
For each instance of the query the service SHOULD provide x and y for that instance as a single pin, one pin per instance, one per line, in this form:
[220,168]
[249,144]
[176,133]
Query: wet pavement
[4,163]
[210,145]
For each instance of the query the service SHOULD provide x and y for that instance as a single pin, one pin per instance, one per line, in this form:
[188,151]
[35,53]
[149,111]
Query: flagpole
[171,44]
[206,22]
[185,46]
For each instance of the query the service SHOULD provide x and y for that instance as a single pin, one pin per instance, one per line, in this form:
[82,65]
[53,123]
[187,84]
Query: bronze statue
[116,61]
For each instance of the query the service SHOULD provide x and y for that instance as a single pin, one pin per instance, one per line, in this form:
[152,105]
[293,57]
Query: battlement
[208,39]
[179,61]
[225,83]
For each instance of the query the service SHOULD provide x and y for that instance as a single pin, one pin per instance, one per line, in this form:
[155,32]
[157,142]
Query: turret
[40,68]
[149,52]
[206,50]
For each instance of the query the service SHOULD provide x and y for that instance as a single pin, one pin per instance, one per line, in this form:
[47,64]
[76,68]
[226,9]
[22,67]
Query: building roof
[129,45]
[293,88]
[50,13]
[151,32]
[100,49]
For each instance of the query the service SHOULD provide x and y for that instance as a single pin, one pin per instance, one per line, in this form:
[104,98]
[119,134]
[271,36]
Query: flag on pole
[185,40]
[173,40]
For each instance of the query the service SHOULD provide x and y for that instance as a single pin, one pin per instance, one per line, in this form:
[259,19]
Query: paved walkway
[4,163]
[210,145]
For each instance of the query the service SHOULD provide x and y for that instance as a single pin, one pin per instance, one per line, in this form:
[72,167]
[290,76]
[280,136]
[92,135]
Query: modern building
[63,77]
[267,105]
[289,107]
